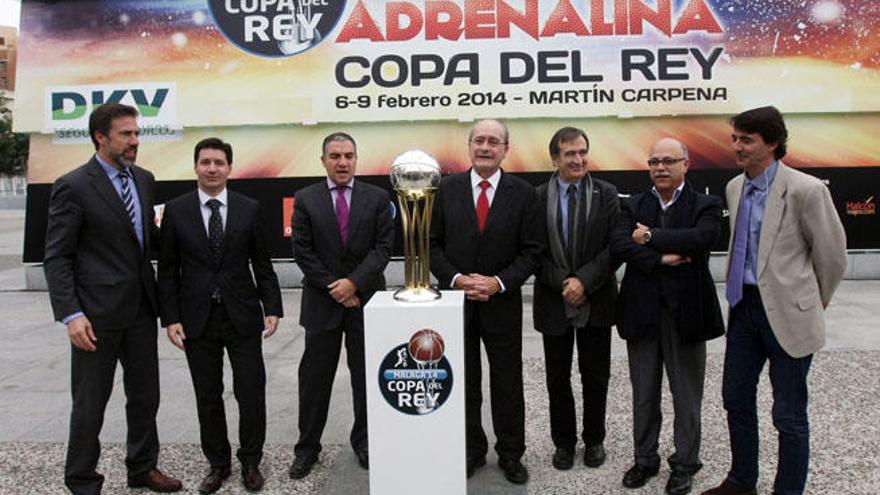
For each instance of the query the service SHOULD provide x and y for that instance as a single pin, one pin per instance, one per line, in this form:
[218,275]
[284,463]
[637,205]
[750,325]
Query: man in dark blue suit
[211,239]
[485,240]
[667,310]
[342,237]
[102,286]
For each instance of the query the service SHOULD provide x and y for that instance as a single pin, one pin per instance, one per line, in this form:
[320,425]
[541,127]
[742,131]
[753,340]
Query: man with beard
[102,286]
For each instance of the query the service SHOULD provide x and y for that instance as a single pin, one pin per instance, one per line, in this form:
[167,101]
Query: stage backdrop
[274,76]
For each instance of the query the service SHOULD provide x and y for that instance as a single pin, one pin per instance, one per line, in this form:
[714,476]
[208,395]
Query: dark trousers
[750,343]
[91,385]
[685,364]
[505,388]
[316,373]
[594,361]
[205,358]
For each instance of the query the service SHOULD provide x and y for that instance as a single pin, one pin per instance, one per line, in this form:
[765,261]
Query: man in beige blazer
[787,256]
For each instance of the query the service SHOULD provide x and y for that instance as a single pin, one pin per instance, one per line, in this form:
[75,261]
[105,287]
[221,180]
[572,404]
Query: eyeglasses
[490,142]
[654,162]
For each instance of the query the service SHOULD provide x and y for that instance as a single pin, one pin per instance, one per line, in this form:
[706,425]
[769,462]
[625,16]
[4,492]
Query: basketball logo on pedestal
[415,377]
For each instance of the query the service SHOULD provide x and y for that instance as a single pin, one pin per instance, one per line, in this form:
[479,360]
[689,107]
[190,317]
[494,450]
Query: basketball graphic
[415,377]
[426,346]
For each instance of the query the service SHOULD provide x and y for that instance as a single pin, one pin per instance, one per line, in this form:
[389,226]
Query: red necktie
[483,206]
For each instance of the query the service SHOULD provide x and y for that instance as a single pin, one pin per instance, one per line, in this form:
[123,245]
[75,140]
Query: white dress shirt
[490,192]
[206,210]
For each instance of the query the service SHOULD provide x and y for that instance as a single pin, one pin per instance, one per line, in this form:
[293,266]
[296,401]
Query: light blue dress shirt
[113,174]
[761,185]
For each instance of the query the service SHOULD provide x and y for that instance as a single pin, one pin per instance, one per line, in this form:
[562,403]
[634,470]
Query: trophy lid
[415,170]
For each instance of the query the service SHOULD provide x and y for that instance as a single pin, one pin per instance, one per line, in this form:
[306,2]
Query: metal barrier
[13,186]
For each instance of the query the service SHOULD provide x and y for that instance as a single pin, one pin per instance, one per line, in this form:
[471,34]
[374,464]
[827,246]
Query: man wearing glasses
[667,309]
[485,241]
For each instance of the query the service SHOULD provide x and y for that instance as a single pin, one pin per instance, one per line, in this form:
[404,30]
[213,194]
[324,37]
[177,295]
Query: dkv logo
[68,107]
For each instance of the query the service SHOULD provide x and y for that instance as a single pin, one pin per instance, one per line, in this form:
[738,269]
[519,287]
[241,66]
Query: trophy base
[416,294]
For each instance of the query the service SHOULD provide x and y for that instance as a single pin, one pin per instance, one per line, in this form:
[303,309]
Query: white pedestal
[415,410]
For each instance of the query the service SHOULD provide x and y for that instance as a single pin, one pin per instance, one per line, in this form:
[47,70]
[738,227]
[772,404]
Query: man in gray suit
[342,237]
[575,292]
[787,257]
[102,286]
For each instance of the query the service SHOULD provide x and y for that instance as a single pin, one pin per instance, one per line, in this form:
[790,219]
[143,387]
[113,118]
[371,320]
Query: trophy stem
[426,239]
[405,217]
[416,210]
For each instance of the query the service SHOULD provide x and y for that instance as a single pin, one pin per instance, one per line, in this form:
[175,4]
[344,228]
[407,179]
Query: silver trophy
[415,175]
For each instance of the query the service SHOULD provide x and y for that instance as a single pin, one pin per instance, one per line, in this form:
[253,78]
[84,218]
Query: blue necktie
[737,270]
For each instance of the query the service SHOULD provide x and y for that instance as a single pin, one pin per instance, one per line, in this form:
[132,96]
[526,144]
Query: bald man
[667,309]
[485,241]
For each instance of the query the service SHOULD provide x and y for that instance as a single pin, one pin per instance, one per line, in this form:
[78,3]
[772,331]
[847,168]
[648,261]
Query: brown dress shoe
[252,478]
[155,481]
[214,480]
[730,487]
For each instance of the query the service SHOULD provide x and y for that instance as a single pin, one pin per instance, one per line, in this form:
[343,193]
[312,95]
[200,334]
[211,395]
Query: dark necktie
[342,213]
[215,230]
[127,199]
[736,272]
[483,206]
[572,220]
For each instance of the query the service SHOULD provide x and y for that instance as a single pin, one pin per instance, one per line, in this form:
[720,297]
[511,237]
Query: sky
[9,12]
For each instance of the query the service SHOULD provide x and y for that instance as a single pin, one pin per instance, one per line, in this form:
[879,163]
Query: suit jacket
[188,275]
[318,249]
[694,224]
[93,261]
[597,266]
[509,247]
[801,257]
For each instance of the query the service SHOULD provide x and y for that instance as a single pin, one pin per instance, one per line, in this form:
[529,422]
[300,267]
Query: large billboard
[274,76]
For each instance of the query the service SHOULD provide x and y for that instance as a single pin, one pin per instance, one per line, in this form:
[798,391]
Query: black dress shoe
[638,475]
[679,483]
[252,478]
[214,480]
[474,463]
[155,481]
[594,455]
[363,458]
[730,487]
[563,459]
[514,471]
[302,466]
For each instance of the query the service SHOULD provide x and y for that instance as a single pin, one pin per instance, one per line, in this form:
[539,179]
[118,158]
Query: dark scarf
[577,315]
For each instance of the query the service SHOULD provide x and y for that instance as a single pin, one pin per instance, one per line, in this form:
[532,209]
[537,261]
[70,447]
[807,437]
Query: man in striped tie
[102,287]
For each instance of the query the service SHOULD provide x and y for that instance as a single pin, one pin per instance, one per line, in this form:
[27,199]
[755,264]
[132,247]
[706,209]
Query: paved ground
[34,370]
